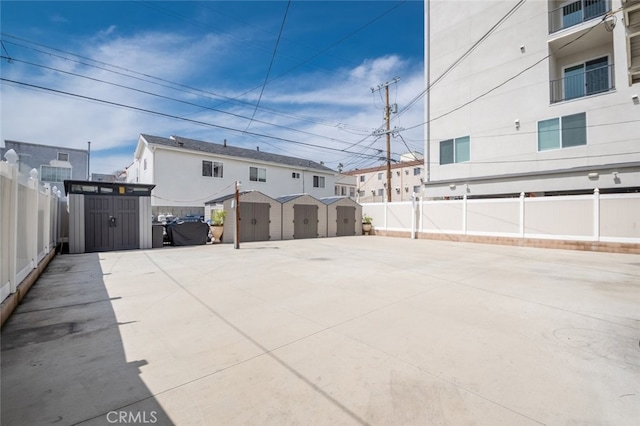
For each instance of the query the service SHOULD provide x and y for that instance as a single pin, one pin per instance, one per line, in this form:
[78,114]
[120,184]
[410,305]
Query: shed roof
[225,198]
[287,198]
[331,200]
[234,151]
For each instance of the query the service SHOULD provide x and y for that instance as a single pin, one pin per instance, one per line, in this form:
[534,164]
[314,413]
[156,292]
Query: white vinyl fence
[29,223]
[605,218]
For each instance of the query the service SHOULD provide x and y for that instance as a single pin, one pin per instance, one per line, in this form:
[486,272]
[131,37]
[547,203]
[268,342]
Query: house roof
[382,168]
[234,151]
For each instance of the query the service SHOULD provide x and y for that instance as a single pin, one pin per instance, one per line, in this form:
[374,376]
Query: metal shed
[303,216]
[107,216]
[344,216]
[259,214]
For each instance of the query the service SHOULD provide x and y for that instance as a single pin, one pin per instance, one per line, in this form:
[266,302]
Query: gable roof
[234,151]
[400,165]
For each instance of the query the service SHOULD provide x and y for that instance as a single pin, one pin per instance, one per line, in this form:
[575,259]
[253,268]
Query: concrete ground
[341,331]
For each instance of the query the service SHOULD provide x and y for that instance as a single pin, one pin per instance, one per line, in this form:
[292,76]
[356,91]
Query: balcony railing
[577,12]
[581,84]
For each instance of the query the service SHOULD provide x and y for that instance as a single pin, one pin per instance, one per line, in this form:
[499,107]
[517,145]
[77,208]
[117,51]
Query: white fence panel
[494,217]
[607,218]
[566,217]
[620,217]
[28,224]
[445,216]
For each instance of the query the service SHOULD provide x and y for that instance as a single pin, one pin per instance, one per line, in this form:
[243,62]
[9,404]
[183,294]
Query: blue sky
[107,71]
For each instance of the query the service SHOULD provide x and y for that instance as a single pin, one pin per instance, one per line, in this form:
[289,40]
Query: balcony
[582,80]
[576,12]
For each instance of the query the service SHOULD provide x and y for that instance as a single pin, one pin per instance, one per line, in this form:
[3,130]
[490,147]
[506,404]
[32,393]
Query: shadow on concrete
[63,360]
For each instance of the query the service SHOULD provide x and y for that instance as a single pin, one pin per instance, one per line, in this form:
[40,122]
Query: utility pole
[387,118]
[236,240]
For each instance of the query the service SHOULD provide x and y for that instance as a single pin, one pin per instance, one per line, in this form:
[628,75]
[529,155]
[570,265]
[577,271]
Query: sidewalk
[357,330]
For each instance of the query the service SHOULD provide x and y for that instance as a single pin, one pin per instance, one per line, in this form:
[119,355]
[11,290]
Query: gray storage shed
[107,216]
[303,216]
[259,214]
[344,216]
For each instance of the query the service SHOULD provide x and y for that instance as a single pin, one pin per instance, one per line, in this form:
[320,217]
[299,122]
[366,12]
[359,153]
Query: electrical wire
[273,56]
[162,114]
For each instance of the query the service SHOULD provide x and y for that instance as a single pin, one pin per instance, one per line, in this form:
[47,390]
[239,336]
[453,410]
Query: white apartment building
[538,97]
[187,173]
[407,178]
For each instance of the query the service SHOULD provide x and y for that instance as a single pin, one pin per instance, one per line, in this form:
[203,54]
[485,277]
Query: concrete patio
[357,330]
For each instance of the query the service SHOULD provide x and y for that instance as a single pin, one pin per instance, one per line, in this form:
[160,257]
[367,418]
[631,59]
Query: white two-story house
[187,173]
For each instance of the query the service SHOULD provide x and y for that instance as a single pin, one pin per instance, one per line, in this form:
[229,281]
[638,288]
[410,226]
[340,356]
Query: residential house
[345,186]
[407,178]
[545,102]
[189,172]
[54,164]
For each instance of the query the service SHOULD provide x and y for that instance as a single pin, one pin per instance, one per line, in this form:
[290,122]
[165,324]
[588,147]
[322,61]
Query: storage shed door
[111,223]
[254,221]
[346,221]
[305,221]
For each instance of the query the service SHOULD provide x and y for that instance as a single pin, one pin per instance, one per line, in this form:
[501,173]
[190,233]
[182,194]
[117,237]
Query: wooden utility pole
[387,119]
[236,242]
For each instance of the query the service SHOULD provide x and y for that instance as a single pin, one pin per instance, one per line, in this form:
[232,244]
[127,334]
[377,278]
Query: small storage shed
[107,216]
[303,216]
[344,216]
[259,214]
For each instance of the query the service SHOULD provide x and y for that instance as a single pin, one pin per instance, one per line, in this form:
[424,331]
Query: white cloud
[343,109]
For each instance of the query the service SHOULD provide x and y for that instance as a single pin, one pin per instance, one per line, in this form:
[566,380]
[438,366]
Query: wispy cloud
[318,110]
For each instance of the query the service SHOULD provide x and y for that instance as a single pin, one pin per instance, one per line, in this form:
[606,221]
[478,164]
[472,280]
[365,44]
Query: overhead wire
[273,56]
[166,115]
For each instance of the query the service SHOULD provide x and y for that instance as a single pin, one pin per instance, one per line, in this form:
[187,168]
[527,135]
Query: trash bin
[157,236]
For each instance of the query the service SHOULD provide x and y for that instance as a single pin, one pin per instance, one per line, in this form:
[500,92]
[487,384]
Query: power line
[509,79]
[148,78]
[462,57]
[162,114]
[273,56]
[175,100]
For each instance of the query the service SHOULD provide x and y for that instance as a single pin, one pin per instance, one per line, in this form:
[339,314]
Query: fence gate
[111,223]
[346,221]
[254,221]
[305,221]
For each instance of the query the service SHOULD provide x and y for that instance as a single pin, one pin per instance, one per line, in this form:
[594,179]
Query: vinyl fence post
[12,160]
[464,214]
[596,214]
[522,215]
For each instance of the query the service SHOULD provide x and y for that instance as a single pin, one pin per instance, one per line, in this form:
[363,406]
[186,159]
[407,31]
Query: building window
[318,181]
[295,175]
[361,193]
[587,78]
[381,191]
[563,132]
[361,178]
[352,192]
[257,174]
[416,189]
[207,168]
[343,191]
[144,164]
[455,150]
[380,175]
[417,171]
[54,174]
[63,156]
